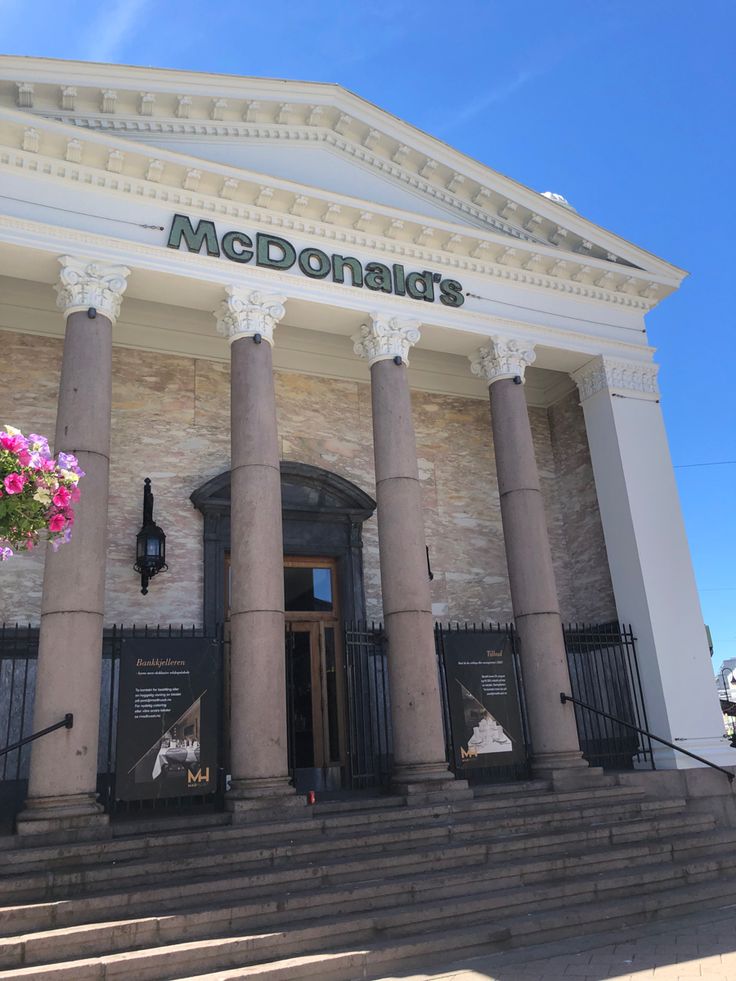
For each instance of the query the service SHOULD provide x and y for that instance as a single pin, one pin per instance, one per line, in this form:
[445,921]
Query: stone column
[555,746]
[62,788]
[416,713]
[259,762]
[649,558]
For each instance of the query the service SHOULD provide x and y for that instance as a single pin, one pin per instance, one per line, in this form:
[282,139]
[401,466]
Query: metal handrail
[66,723]
[644,732]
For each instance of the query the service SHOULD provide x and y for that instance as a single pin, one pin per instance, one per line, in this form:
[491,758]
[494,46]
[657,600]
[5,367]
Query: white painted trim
[53,240]
[204,205]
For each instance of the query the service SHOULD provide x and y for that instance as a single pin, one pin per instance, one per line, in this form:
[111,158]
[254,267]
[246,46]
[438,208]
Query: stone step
[374,960]
[278,900]
[318,822]
[503,885]
[457,850]
[52,882]
[417,926]
[409,818]
[299,877]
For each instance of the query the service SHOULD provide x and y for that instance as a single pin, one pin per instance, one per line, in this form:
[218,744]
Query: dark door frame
[322,514]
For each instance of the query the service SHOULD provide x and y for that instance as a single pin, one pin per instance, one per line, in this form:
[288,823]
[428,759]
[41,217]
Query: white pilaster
[649,558]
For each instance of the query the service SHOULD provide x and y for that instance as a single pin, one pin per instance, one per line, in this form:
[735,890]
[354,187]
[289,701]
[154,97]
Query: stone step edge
[559,866]
[371,961]
[519,842]
[364,840]
[55,886]
[273,882]
[91,969]
[319,824]
[399,918]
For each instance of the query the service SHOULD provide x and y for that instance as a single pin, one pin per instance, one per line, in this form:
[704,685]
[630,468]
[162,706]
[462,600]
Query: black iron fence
[18,659]
[603,673]
[18,671]
[370,755]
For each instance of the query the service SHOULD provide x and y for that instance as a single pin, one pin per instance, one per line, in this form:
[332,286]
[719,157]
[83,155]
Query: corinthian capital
[637,378]
[502,358]
[385,338]
[246,313]
[85,283]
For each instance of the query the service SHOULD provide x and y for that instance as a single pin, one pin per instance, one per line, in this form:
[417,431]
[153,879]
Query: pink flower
[75,495]
[24,458]
[56,523]
[14,443]
[14,483]
[62,497]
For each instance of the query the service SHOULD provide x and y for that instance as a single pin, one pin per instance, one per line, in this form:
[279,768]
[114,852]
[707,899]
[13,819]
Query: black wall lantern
[150,544]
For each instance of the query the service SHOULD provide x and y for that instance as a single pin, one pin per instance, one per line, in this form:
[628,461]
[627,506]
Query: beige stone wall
[171,422]
[589,595]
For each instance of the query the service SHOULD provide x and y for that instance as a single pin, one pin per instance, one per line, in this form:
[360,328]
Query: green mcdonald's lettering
[275,252]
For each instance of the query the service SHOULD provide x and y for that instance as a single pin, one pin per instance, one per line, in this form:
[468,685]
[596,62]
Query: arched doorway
[322,515]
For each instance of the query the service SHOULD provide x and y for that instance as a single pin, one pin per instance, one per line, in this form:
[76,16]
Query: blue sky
[625,107]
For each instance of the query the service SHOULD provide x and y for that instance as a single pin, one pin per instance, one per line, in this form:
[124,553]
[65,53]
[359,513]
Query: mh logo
[199,776]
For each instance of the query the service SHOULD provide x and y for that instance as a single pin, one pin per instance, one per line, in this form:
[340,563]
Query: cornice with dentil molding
[313,109]
[86,282]
[296,134]
[617,377]
[379,150]
[26,233]
[385,338]
[247,313]
[162,192]
[502,358]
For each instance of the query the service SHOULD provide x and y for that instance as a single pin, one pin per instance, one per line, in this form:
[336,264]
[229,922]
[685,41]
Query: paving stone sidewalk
[696,946]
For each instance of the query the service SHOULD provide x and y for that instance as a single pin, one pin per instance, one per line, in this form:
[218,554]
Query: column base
[73,812]
[256,799]
[565,771]
[428,782]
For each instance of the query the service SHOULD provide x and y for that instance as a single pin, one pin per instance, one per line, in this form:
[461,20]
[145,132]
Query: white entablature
[105,161]
[334,143]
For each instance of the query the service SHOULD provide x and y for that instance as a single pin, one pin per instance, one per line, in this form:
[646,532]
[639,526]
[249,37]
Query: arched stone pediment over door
[322,514]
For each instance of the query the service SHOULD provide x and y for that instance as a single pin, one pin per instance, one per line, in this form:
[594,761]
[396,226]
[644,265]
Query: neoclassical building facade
[290,310]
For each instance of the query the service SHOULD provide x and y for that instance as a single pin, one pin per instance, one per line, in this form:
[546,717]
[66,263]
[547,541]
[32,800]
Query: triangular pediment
[310,157]
[316,135]
[314,165]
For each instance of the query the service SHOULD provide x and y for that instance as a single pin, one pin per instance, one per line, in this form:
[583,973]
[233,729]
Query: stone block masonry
[171,421]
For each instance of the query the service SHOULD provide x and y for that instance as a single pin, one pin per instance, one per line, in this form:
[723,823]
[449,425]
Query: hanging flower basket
[36,493]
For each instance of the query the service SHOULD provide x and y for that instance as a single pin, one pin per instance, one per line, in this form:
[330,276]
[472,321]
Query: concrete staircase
[354,889]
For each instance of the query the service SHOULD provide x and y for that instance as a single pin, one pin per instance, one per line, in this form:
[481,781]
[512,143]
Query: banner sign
[485,715]
[168,717]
